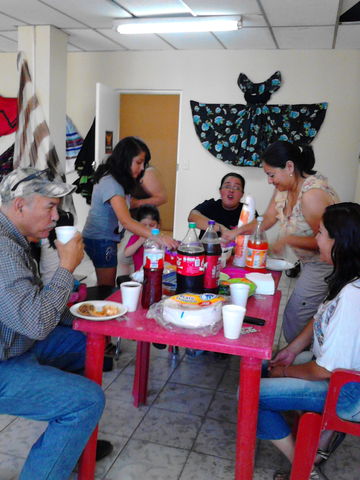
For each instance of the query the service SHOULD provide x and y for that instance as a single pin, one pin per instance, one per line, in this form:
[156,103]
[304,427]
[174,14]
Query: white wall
[308,77]
[211,76]
[9,82]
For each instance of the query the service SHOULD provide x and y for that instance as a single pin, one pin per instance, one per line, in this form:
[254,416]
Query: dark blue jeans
[34,386]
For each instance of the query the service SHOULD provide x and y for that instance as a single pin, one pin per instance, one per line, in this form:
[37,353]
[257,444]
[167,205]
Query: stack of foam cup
[233,315]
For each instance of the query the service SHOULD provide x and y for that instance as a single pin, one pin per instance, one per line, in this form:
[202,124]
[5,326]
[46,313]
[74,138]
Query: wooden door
[154,118]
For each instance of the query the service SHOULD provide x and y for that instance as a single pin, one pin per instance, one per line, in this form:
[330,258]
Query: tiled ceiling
[267,24]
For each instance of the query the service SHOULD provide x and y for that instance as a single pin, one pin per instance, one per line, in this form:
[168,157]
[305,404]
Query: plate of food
[278,264]
[98,310]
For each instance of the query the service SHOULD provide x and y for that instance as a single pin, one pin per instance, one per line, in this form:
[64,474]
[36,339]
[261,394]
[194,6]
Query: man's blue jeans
[72,404]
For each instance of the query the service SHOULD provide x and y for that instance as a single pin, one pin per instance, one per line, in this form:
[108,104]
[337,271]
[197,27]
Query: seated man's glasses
[46,172]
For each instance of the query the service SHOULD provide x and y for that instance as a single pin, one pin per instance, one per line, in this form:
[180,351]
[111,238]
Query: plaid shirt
[29,311]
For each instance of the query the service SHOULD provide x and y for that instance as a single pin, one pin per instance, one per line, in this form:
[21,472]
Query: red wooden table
[252,348]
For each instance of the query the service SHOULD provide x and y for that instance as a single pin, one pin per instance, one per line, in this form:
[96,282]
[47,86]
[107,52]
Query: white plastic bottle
[246,216]
[153,270]
[153,252]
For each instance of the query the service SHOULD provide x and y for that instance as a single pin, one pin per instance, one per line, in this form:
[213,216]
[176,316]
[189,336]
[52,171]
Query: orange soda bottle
[246,216]
[257,247]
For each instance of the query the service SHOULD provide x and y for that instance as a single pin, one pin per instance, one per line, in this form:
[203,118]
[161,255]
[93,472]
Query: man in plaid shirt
[36,343]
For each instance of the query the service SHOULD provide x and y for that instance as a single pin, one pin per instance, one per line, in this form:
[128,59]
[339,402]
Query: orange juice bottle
[257,248]
[247,215]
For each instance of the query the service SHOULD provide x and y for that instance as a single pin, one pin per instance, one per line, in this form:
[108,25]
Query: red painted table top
[136,326]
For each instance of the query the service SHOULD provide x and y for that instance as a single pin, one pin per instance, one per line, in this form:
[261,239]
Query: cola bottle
[153,270]
[190,262]
[213,251]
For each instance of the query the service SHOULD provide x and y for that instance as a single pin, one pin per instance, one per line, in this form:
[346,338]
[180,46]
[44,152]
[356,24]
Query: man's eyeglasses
[232,187]
[46,172]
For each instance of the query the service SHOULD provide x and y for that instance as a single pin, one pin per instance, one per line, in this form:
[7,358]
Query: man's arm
[25,305]
[202,221]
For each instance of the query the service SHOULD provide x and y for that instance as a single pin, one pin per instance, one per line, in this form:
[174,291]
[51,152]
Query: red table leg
[95,346]
[141,373]
[249,384]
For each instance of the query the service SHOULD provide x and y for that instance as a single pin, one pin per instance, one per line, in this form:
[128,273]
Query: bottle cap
[211,222]
[192,224]
[155,231]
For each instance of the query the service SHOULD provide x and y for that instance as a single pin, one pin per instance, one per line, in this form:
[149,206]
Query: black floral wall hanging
[237,134]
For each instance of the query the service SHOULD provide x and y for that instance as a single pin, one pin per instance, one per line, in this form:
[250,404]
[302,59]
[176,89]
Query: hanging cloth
[74,142]
[84,165]
[237,134]
[33,144]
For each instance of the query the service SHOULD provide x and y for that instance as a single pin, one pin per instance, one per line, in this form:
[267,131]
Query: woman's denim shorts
[103,253]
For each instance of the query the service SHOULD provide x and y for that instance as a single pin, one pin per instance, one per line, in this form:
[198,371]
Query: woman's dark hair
[279,152]
[342,221]
[118,164]
[148,211]
[233,174]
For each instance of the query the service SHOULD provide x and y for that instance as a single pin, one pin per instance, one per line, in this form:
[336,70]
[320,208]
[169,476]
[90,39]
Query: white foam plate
[278,264]
[98,304]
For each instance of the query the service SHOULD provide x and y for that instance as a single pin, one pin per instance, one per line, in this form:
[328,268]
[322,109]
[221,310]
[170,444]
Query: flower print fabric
[237,133]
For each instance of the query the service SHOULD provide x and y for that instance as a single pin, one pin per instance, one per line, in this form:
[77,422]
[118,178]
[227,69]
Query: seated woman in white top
[299,379]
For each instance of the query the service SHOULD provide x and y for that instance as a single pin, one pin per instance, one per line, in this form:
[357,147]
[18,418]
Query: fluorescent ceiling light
[177,24]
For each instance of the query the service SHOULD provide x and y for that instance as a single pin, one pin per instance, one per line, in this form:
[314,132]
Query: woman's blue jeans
[72,404]
[281,394]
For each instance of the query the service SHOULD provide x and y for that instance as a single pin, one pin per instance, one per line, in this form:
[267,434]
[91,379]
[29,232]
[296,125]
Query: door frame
[134,91]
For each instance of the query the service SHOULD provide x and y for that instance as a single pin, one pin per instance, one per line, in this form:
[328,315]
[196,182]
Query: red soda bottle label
[190,265]
[153,259]
[212,271]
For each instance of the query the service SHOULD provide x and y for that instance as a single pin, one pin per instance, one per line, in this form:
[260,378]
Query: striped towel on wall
[74,142]
[33,144]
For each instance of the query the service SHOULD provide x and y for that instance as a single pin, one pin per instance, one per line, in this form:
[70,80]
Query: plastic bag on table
[190,313]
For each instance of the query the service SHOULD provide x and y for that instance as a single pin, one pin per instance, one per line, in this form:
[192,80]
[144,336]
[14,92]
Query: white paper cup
[233,316]
[239,293]
[130,294]
[66,233]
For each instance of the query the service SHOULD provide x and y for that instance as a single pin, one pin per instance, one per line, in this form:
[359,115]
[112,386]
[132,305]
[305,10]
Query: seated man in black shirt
[225,211]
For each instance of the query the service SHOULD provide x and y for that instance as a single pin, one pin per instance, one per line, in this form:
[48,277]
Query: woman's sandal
[335,441]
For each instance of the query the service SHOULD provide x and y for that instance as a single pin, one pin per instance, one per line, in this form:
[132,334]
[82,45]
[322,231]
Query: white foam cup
[65,233]
[130,294]
[239,293]
[233,316]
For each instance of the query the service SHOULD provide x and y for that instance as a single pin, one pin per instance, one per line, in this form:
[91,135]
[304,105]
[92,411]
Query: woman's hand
[166,241]
[278,247]
[280,362]
[227,235]
[284,358]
